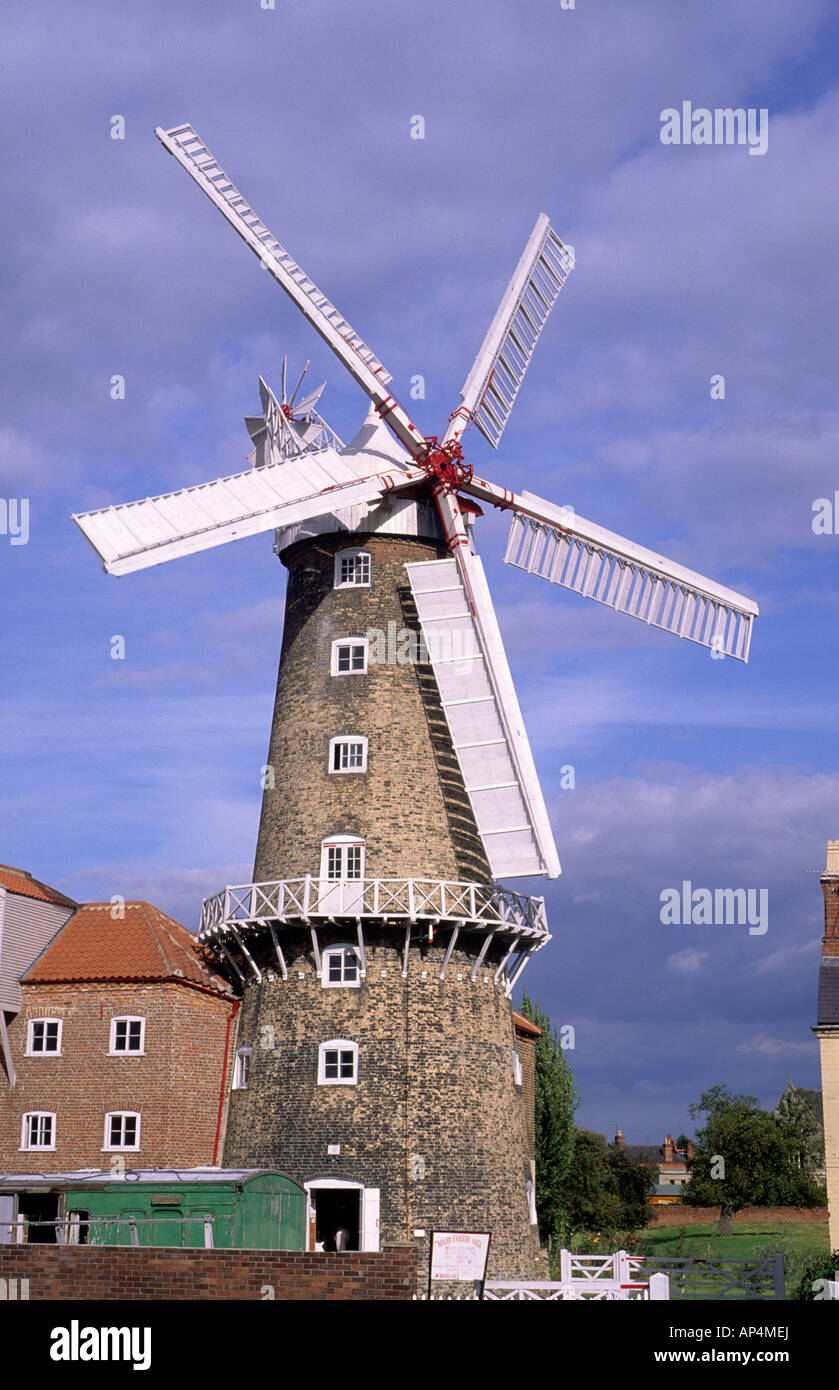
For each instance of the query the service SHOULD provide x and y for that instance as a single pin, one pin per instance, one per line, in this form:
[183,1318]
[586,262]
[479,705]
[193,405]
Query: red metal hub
[445,463]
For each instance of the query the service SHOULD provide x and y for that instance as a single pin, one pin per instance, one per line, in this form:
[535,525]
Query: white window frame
[517,1069]
[108,1147]
[341,950]
[343,843]
[115,1051]
[32,1050]
[242,1068]
[363,642]
[25,1145]
[347,771]
[338,1045]
[354,553]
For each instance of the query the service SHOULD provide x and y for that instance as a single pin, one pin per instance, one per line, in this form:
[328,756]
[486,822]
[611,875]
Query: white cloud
[687,962]
[780,1047]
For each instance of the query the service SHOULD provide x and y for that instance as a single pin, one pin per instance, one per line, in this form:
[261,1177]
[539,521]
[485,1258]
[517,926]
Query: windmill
[402,505]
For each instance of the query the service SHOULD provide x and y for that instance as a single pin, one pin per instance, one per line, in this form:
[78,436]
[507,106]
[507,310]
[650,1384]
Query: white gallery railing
[467,905]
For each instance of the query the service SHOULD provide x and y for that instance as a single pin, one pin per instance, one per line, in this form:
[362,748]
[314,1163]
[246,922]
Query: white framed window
[516,1068]
[352,569]
[241,1071]
[348,753]
[38,1130]
[341,967]
[128,1036]
[342,857]
[122,1130]
[349,656]
[44,1037]
[338,1063]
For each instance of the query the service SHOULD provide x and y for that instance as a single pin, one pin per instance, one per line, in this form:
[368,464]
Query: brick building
[827,1032]
[120,1046]
[670,1161]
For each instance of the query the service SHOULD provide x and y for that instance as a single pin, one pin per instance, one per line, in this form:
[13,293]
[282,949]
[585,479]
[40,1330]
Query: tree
[635,1179]
[591,1188]
[798,1112]
[556,1100]
[744,1157]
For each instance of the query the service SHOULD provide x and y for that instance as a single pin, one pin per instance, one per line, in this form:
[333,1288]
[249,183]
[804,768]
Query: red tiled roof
[21,882]
[525,1026]
[144,944]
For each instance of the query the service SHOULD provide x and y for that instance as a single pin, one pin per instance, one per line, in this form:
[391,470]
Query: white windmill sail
[189,149]
[477,693]
[492,385]
[577,554]
[135,535]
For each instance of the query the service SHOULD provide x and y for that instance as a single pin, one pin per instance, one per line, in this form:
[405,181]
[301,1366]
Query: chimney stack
[830,888]
[619,1139]
[669,1148]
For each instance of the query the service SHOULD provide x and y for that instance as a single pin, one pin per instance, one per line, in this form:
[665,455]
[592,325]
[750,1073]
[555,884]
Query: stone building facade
[827,1031]
[376,1061]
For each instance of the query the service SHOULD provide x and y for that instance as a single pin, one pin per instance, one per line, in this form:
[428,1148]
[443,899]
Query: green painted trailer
[252,1209]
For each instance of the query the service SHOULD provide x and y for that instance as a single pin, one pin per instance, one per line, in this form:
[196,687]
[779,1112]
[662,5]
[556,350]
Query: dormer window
[352,569]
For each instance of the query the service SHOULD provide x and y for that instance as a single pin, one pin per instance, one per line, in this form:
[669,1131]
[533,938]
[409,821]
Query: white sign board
[459,1254]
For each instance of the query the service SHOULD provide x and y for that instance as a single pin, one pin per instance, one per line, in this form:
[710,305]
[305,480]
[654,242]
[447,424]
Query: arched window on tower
[352,569]
[341,967]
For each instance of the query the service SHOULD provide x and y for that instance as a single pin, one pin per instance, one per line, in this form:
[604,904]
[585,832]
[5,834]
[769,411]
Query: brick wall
[678,1215]
[435,1121]
[830,940]
[126,1275]
[409,806]
[175,1085]
[829,1047]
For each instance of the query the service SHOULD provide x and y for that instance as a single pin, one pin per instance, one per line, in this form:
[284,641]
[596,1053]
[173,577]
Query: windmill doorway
[337,1214]
[342,1215]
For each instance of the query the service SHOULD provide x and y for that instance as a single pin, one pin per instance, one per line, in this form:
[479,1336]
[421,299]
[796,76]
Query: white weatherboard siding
[26,927]
[486,725]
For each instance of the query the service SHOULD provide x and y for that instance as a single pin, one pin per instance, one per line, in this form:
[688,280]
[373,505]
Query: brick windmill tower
[376,948]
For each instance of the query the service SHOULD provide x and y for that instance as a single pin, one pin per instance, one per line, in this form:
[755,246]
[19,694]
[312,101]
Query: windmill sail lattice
[492,385]
[190,151]
[602,566]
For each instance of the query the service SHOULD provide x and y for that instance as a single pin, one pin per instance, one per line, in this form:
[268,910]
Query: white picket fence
[583,1278]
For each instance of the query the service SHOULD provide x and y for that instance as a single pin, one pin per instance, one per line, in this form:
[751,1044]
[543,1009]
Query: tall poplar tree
[556,1102]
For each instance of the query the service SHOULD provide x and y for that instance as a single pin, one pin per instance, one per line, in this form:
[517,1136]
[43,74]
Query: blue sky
[141,776]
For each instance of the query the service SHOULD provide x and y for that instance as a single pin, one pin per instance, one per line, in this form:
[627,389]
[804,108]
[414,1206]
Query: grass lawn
[797,1241]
